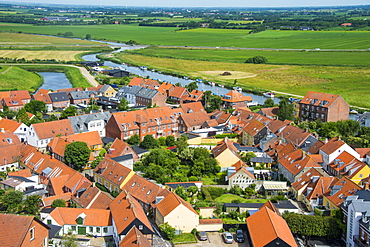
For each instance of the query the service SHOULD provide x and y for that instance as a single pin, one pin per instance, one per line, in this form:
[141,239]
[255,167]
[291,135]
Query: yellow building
[225,153]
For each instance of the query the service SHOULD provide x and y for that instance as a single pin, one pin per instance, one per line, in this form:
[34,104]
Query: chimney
[366,186]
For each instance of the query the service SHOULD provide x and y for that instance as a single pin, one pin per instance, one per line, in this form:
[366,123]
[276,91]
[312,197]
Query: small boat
[239,89]
[352,111]
[153,70]
[199,80]
[220,85]
[143,68]
[269,95]
[212,83]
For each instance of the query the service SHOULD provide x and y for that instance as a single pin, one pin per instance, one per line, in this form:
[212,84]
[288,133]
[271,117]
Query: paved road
[214,239]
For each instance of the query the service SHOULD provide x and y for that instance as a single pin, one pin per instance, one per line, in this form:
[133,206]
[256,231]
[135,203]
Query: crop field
[352,83]
[274,57]
[42,55]
[14,78]
[26,39]
[209,37]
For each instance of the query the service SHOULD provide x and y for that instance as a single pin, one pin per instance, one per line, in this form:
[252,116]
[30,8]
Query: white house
[19,129]
[90,122]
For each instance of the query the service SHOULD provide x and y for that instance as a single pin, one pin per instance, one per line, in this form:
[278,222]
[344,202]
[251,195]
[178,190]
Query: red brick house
[324,106]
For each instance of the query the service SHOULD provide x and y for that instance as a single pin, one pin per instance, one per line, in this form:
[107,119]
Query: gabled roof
[340,190]
[10,153]
[178,92]
[90,138]
[266,226]
[135,238]
[58,97]
[48,201]
[170,203]
[125,209]
[147,83]
[235,96]
[224,145]
[113,171]
[241,167]
[92,217]
[195,118]
[58,145]
[119,148]
[271,206]
[253,127]
[147,93]
[143,190]
[296,161]
[319,99]
[306,178]
[9,125]
[192,107]
[164,87]
[270,111]
[52,129]
[314,149]
[347,165]
[68,90]
[194,95]
[80,123]
[15,228]
[82,95]
[318,187]
[92,197]
[294,134]
[42,95]
[331,146]
[362,151]
[26,173]
[276,125]
[7,138]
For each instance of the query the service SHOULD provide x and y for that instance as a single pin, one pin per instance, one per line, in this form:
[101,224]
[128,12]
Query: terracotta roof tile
[93,217]
[192,107]
[195,118]
[306,178]
[90,138]
[332,145]
[10,154]
[141,82]
[346,165]
[125,209]
[25,173]
[92,197]
[113,171]
[340,190]
[271,206]
[170,203]
[270,111]
[7,138]
[48,201]
[194,95]
[265,226]
[52,129]
[178,92]
[9,125]
[225,144]
[135,238]
[119,148]
[235,96]
[319,99]
[362,151]
[209,221]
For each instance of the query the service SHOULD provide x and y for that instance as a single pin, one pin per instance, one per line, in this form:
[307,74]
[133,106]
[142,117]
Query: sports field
[274,57]
[209,37]
[349,82]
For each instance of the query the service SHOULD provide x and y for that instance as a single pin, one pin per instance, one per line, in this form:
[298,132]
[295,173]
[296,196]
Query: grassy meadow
[274,57]
[42,54]
[15,78]
[208,37]
[352,83]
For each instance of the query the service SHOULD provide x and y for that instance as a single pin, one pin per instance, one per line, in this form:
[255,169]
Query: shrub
[257,59]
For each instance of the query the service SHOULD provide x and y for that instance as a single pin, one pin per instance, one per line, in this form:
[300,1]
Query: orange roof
[192,107]
[296,161]
[346,165]
[15,228]
[317,188]
[306,178]
[340,190]
[178,92]
[319,99]
[26,173]
[235,96]
[195,118]
[294,134]
[194,95]
[241,166]
[276,125]
[314,149]
[332,145]
[253,127]
[224,145]
[7,138]
[170,203]
[57,184]
[209,221]
[143,190]
[90,138]
[58,145]
[265,227]
[165,87]
[112,171]
[125,209]
[362,151]
[52,129]
[135,238]
[77,181]
[141,82]
[8,124]
[270,112]
[68,90]
[119,148]
[48,201]
[10,154]
[92,197]
[92,217]
[271,206]
[42,96]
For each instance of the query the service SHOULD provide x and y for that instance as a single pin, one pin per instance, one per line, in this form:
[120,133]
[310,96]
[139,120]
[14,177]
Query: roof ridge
[270,219]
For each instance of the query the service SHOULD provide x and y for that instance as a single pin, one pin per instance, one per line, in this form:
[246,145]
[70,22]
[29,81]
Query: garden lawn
[184,237]
[228,198]
[349,82]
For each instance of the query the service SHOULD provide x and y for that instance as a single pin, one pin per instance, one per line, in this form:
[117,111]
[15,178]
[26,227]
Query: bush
[167,230]
[257,59]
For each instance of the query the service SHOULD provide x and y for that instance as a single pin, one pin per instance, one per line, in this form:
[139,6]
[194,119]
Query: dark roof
[182,184]
[262,159]
[39,191]
[139,150]
[107,140]
[285,204]
[246,148]
[123,158]
[57,97]
[53,230]
[47,210]
[22,179]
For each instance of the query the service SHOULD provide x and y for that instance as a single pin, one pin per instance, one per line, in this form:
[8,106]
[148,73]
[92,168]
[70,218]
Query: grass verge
[184,238]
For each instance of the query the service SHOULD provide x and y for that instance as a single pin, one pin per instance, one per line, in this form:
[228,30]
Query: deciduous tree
[77,154]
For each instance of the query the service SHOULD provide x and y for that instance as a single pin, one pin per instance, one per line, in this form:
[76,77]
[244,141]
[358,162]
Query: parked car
[240,236]
[228,237]
[202,236]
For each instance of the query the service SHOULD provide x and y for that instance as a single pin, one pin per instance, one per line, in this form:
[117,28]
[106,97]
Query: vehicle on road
[202,236]
[228,237]
[240,236]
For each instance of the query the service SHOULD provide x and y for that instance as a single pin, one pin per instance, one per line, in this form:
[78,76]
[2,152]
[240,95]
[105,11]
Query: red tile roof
[7,138]
[332,145]
[346,165]
[296,161]
[194,95]
[90,138]
[235,96]
[306,178]
[10,154]
[271,206]
[362,151]
[319,99]
[135,238]
[195,118]
[25,173]
[224,145]
[48,201]
[253,127]
[92,197]
[170,203]
[178,92]
[112,171]
[270,112]
[93,217]
[119,148]
[340,190]
[192,107]
[141,82]
[209,221]
[265,226]
[9,125]
[52,129]
[125,209]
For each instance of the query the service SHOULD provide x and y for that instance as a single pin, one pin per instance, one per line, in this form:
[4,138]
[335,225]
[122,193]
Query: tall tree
[77,154]
[123,105]
[12,201]
[69,112]
[134,139]
[35,106]
[268,103]
[149,142]
[285,110]
[180,191]
[58,203]
[32,204]
[191,86]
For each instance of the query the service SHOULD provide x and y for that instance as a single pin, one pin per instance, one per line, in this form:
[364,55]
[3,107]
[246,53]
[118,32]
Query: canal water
[54,81]
[168,78]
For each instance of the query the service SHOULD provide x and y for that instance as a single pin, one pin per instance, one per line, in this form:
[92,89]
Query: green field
[352,83]
[209,37]
[274,57]
[15,78]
